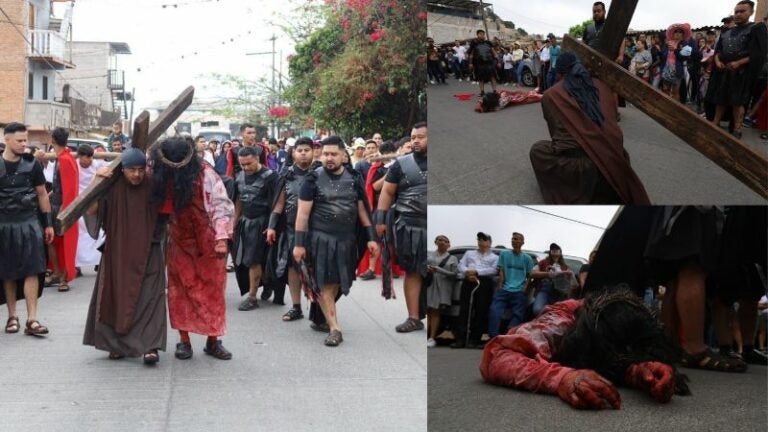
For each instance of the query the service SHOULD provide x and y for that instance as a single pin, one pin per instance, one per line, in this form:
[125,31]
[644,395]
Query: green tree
[363,70]
[578,30]
[522,32]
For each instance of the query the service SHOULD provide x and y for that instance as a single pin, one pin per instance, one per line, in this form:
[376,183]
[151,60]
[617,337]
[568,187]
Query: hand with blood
[586,389]
[658,379]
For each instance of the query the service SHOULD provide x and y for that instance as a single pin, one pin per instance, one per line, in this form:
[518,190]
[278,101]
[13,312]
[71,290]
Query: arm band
[300,239]
[273,218]
[371,233]
[380,217]
[47,220]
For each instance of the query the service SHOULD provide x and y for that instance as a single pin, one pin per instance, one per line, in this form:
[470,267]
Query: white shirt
[544,56]
[460,52]
[508,60]
[485,265]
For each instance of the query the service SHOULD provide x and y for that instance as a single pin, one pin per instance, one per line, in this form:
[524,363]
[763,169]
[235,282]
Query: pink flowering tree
[363,70]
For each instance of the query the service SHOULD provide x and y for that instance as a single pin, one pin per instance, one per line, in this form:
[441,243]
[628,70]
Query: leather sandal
[293,314]
[217,350]
[151,357]
[63,286]
[39,330]
[12,325]
[183,351]
[710,360]
[115,356]
[334,339]
[410,325]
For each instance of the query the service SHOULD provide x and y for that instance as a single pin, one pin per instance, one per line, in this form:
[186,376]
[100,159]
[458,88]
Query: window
[45,88]
[31,90]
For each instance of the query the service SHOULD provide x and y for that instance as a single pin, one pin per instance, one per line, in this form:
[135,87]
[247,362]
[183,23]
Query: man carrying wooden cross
[585,163]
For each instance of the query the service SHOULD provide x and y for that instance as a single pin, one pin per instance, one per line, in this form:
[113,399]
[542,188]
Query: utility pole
[272,96]
[485,23]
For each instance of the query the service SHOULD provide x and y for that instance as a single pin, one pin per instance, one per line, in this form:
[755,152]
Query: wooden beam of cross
[144,135]
[746,165]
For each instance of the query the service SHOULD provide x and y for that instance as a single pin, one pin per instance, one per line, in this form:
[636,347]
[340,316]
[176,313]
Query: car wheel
[528,78]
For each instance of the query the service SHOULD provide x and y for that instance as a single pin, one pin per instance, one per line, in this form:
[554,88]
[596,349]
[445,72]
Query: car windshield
[219,136]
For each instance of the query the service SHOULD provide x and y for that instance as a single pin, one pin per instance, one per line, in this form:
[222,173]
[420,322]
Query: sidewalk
[281,376]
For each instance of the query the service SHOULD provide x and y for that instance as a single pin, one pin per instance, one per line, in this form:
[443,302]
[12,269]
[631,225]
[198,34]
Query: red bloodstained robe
[66,246]
[197,277]
[364,264]
[522,357]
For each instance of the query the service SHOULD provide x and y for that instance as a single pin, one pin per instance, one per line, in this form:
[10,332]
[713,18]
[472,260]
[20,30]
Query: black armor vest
[335,206]
[17,193]
[412,190]
[294,180]
[254,197]
[735,43]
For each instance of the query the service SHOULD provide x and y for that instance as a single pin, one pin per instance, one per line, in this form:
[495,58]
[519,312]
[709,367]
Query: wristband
[380,217]
[273,218]
[47,220]
[300,239]
[371,233]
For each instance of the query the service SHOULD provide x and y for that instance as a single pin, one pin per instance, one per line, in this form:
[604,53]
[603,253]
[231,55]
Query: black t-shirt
[584,268]
[38,178]
[481,52]
[395,173]
[309,188]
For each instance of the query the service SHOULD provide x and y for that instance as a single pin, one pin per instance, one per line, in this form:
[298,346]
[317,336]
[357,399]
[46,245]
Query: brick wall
[13,62]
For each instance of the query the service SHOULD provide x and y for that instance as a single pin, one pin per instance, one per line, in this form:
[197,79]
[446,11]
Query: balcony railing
[48,44]
[116,79]
[47,114]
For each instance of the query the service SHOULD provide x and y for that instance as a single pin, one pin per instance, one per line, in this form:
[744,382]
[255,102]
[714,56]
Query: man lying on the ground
[580,349]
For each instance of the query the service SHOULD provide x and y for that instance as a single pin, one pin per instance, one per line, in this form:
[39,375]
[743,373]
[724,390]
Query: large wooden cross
[144,135]
[740,161]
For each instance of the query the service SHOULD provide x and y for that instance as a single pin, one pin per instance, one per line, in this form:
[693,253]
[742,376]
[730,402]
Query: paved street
[459,400]
[483,158]
[281,376]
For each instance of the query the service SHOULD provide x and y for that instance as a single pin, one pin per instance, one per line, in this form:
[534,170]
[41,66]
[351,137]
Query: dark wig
[490,101]
[615,329]
[168,176]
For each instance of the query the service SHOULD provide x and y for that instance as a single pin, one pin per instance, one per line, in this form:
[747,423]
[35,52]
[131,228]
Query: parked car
[528,78]
[220,135]
[74,143]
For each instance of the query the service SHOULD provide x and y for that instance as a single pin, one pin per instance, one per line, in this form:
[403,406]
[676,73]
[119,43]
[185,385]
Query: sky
[158,37]
[557,16]
[576,229]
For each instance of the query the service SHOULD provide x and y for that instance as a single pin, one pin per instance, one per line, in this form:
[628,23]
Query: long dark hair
[613,330]
[181,180]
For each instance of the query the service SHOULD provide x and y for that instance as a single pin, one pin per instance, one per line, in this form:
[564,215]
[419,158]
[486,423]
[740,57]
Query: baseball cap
[483,236]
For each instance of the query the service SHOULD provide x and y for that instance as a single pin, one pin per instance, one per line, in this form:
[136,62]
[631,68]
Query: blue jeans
[546,296]
[502,300]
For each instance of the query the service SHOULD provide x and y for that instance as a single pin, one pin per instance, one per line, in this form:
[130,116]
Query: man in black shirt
[407,180]
[331,206]
[283,218]
[23,199]
[483,61]
[592,32]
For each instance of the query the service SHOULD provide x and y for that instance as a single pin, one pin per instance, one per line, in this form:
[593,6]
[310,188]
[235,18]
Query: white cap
[290,142]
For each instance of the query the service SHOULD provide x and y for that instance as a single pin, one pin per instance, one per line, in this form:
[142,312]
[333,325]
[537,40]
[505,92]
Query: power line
[563,217]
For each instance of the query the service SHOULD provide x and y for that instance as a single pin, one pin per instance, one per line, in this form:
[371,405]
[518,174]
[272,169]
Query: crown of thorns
[173,164]
[597,304]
